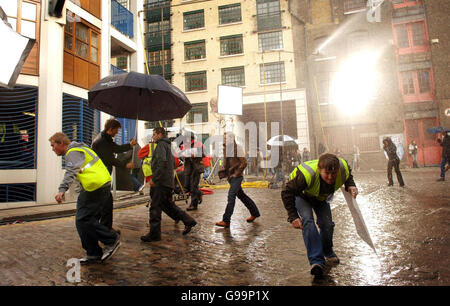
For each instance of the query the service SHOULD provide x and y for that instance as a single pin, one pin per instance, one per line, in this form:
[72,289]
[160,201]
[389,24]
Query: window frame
[202,77]
[197,108]
[412,48]
[263,72]
[280,41]
[240,76]
[226,41]
[405,3]
[91,29]
[193,45]
[355,8]
[222,10]
[416,96]
[190,13]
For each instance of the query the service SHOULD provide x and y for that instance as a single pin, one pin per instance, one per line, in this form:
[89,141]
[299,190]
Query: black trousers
[106,213]
[90,230]
[395,163]
[162,202]
[191,181]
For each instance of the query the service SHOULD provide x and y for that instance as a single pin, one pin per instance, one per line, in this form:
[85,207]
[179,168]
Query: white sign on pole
[229,100]
[447,112]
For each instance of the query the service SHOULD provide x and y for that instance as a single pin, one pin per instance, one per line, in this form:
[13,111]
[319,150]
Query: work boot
[317,269]
[441,179]
[252,218]
[332,260]
[89,259]
[192,207]
[189,227]
[149,238]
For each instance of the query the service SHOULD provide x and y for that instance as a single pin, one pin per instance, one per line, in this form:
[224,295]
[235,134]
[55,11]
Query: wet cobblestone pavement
[409,227]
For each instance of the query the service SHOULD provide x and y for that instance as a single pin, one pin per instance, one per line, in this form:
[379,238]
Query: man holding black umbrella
[162,165]
[105,147]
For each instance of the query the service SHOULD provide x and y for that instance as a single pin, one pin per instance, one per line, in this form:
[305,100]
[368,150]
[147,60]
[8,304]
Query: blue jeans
[236,191]
[443,163]
[207,172]
[318,246]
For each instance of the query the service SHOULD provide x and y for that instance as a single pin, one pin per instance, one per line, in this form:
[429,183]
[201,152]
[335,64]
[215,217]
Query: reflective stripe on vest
[93,173]
[310,171]
[146,164]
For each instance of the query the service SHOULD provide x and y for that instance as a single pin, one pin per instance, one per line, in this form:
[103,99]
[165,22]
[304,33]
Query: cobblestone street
[409,227]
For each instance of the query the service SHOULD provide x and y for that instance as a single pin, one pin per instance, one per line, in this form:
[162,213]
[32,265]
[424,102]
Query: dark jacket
[234,166]
[162,164]
[105,147]
[390,148]
[445,143]
[297,185]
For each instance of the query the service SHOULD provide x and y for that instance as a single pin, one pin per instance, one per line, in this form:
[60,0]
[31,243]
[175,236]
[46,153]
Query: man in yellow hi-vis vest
[311,187]
[84,167]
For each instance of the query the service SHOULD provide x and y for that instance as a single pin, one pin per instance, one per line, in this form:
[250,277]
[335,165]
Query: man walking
[162,188]
[86,168]
[234,166]
[445,144]
[105,147]
[310,188]
[413,148]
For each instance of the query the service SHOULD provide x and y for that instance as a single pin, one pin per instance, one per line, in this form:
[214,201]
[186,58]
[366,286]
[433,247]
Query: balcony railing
[121,19]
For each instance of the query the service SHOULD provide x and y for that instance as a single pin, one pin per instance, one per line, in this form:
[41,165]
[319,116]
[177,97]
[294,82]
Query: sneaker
[223,224]
[252,218]
[333,260]
[441,179]
[114,230]
[317,269]
[189,227]
[89,259]
[109,250]
[191,207]
[141,189]
[150,238]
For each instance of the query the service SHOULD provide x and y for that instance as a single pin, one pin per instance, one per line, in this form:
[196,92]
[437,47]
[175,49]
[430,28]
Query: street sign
[447,112]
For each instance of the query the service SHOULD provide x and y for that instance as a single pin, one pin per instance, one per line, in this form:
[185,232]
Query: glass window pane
[82,32]
[270,41]
[94,55]
[28,29]
[28,11]
[423,77]
[81,49]
[402,36]
[418,34]
[68,44]
[9,7]
[94,39]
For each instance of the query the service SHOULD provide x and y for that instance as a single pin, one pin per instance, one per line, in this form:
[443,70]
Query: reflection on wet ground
[409,227]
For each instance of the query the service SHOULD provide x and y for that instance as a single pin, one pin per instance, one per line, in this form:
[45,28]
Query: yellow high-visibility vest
[93,174]
[146,164]
[310,171]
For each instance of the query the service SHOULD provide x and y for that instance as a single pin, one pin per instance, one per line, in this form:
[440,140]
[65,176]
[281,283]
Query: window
[154,28]
[411,36]
[194,50]
[193,20]
[416,85]
[270,41]
[24,18]
[230,45]
[272,73]
[230,13]
[155,58]
[198,110]
[195,81]
[405,3]
[18,127]
[268,14]
[353,6]
[233,76]
[80,39]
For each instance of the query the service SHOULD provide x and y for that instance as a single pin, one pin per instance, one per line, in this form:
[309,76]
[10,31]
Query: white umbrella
[282,140]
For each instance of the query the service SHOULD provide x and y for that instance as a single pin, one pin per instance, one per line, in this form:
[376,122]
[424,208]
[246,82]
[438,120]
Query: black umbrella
[141,96]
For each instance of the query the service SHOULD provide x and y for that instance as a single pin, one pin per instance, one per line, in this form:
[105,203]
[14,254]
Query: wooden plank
[94,75]
[68,68]
[81,72]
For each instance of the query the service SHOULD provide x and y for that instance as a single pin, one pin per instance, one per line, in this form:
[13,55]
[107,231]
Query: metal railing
[121,19]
